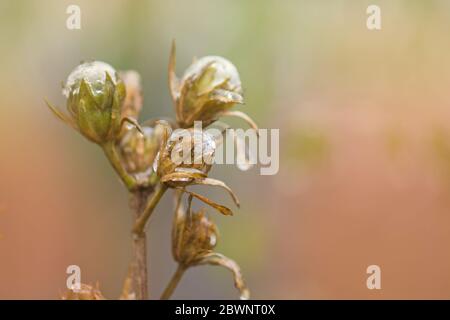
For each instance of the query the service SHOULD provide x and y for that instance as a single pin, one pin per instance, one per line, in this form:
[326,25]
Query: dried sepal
[60,115]
[218,259]
[222,209]
[243,116]
[225,96]
[217,183]
[132,104]
[183,175]
[133,122]
[174,82]
[86,292]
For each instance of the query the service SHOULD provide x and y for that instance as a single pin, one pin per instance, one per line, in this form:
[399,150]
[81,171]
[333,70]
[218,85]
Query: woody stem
[139,263]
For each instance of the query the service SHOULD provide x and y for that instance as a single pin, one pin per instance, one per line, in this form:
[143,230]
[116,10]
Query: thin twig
[111,153]
[151,204]
[173,282]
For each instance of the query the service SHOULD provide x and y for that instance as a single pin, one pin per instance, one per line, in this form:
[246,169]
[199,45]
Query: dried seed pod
[86,292]
[209,88]
[94,95]
[194,237]
[138,149]
[198,237]
[184,156]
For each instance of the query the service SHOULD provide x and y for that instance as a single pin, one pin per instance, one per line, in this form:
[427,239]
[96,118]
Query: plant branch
[111,153]
[141,221]
[138,270]
[172,285]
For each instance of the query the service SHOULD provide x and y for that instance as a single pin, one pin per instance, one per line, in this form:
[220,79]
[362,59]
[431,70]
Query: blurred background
[364,123]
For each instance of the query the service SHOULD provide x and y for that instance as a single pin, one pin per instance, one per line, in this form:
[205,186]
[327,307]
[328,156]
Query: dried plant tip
[243,116]
[133,122]
[221,260]
[218,183]
[132,104]
[86,292]
[174,82]
[59,114]
[222,209]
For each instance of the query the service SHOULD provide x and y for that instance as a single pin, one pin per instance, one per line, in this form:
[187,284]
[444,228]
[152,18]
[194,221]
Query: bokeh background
[364,119]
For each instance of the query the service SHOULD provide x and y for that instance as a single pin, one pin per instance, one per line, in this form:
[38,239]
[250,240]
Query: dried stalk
[139,267]
[171,286]
[147,211]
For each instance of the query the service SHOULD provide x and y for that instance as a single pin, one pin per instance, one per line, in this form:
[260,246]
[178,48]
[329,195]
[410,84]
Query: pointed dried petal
[243,116]
[218,259]
[226,96]
[218,183]
[133,122]
[222,209]
[66,119]
[174,82]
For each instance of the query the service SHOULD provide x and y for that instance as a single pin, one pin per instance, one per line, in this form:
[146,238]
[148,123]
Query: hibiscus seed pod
[210,86]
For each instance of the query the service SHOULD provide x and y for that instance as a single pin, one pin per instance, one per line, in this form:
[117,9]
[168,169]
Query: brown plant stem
[139,226]
[173,282]
[139,268]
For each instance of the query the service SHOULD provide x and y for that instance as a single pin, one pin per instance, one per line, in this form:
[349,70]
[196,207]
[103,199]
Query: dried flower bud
[209,87]
[185,156]
[86,292]
[138,149]
[194,237]
[198,237]
[94,99]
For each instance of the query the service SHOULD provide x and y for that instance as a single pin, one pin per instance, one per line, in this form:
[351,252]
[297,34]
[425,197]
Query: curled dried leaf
[243,116]
[222,209]
[221,260]
[217,183]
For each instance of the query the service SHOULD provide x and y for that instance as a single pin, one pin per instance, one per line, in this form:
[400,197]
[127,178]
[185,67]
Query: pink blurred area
[364,147]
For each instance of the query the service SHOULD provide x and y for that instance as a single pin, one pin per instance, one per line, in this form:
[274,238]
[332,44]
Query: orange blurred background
[364,123]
